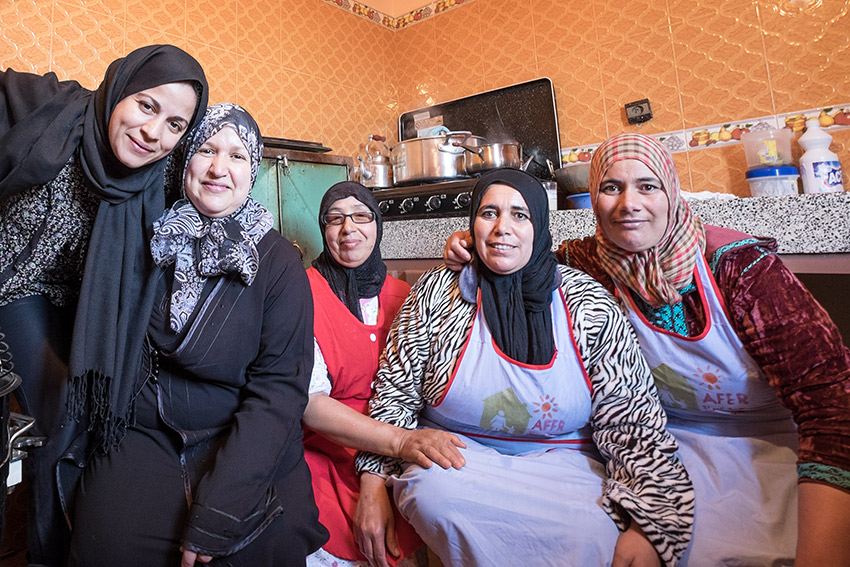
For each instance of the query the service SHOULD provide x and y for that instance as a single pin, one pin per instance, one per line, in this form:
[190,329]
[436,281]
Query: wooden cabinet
[291,184]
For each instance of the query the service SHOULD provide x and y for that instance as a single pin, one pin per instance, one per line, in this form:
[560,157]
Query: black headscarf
[116,297]
[367,279]
[517,306]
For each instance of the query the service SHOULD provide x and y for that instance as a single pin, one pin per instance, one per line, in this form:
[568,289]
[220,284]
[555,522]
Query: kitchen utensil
[491,156]
[377,171]
[431,158]
[572,179]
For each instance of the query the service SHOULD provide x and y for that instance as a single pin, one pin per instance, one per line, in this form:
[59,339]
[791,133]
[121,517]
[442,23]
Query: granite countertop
[801,224]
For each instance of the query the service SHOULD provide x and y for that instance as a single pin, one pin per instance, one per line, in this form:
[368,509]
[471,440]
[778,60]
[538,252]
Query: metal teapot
[377,171]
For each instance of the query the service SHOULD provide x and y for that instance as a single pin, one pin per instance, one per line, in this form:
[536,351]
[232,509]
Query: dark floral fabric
[55,267]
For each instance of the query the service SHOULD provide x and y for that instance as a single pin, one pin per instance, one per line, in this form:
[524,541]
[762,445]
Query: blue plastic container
[579,201]
[769,181]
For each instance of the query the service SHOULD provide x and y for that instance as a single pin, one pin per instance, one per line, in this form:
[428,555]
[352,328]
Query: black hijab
[116,297]
[367,279]
[516,306]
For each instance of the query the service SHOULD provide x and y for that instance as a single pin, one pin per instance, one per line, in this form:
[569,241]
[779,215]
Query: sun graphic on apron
[709,379]
[546,406]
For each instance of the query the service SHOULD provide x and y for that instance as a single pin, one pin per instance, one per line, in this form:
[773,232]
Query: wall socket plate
[638,112]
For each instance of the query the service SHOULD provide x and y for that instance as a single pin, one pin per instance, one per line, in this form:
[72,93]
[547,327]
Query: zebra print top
[646,481]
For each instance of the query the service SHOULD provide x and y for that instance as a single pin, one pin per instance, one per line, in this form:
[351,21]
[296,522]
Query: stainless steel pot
[431,158]
[492,156]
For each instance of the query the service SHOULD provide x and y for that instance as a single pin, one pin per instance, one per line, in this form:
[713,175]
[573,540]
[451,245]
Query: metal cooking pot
[431,158]
[492,156]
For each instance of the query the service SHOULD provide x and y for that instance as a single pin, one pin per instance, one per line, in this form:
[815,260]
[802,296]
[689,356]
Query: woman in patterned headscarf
[213,464]
[735,342]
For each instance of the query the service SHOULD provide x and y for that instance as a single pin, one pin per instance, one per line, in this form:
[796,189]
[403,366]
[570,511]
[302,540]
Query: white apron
[738,443]
[531,488]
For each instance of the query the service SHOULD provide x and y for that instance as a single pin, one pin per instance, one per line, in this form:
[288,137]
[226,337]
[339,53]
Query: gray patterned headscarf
[203,247]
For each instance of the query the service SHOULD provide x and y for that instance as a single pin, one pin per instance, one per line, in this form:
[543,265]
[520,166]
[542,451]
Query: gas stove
[431,200]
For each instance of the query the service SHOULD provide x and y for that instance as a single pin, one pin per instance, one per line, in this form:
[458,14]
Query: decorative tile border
[418,15]
[836,117]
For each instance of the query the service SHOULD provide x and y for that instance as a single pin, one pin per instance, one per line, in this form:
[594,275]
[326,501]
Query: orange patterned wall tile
[139,36]
[258,32]
[505,46]
[683,168]
[578,96]
[511,76]
[558,28]
[808,51]
[221,69]
[616,20]
[358,115]
[26,35]
[301,35]
[164,17]
[213,23]
[99,6]
[720,61]
[640,66]
[721,170]
[259,92]
[302,107]
[459,56]
[84,43]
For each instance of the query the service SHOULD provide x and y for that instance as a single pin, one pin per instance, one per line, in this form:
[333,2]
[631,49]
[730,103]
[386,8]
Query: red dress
[351,350]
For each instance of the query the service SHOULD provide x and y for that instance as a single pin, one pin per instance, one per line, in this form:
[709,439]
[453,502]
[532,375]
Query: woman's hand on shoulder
[190,557]
[634,550]
[426,446]
[456,252]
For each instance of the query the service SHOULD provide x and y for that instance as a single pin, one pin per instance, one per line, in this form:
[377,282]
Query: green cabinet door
[291,185]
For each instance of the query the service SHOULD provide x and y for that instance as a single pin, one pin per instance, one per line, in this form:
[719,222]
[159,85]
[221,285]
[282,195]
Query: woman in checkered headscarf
[721,322]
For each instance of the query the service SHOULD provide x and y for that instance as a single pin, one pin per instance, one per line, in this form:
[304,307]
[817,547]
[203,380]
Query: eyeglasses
[339,218]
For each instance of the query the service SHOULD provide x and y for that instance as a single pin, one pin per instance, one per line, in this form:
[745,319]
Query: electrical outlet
[638,112]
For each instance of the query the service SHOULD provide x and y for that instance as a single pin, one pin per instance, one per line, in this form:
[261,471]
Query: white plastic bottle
[820,170]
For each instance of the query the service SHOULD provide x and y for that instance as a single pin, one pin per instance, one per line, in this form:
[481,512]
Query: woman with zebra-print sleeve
[533,365]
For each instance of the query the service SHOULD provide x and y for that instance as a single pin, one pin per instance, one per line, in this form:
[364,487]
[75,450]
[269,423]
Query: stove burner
[432,200]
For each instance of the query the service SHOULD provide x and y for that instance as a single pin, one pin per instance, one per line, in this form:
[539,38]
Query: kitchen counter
[813,231]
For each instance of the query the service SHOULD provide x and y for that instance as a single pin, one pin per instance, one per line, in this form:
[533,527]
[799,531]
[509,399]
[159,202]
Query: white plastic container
[771,181]
[767,148]
[820,169]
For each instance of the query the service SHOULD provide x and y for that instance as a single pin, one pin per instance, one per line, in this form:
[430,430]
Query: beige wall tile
[26,35]
[808,52]
[84,43]
[213,23]
[310,70]
[640,66]
[720,61]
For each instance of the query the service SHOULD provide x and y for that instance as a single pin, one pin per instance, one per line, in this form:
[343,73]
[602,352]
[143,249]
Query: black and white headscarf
[202,247]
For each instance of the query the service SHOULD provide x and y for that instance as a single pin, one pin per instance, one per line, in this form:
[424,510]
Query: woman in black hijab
[354,304]
[535,368]
[82,177]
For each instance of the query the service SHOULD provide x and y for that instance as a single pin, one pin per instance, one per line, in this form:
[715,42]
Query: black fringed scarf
[116,298]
